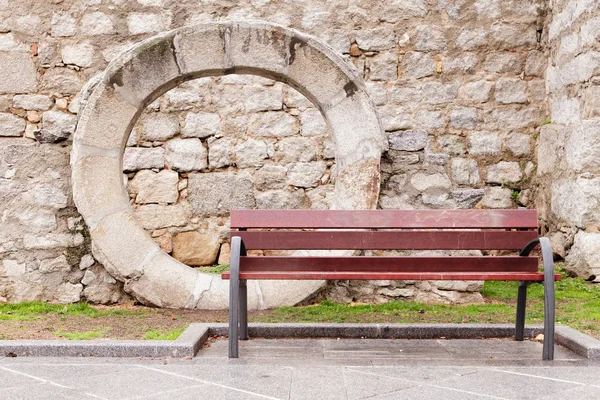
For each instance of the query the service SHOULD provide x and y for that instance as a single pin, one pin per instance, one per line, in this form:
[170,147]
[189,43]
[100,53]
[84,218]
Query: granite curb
[196,335]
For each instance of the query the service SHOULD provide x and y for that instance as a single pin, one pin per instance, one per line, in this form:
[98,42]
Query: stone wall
[569,146]
[459,86]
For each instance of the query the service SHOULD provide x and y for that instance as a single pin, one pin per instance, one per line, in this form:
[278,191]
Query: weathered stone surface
[195,248]
[551,147]
[577,201]
[139,23]
[63,24]
[152,187]
[481,143]
[430,38]
[465,171]
[81,55]
[136,158]
[61,80]
[58,123]
[59,264]
[519,144]
[505,62]
[220,153]
[263,98]
[592,102]
[158,127]
[509,90]
[52,241]
[375,39]
[440,93]
[583,259]
[452,144]
[270,177]
[429,119]
[36,102]
[273,124]
[395,118]
[102,288]
[383,67]
[583,146]
[408,140]
[296,149]
[497,197]
[470,39]
[504,172]
[186,155]
[86,261]
[477,92]
[306,174]
[251,153]
[11,125]
[201,125]
[417,65]
[463,118]
[422,182]
[218,193]
[17,73]
[282,199]
[154,216]
[467,198]
[96,23]
[509,36]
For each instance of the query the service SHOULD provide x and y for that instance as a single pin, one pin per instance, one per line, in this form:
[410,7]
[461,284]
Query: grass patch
[171,334]
[95,334]
[217,269]
[34,309]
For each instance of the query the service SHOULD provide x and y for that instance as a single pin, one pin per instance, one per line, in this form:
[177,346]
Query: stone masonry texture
[485,104]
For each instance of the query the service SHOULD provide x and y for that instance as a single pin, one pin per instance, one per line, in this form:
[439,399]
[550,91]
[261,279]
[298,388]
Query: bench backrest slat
[389,264]
[385,240]
[384,219]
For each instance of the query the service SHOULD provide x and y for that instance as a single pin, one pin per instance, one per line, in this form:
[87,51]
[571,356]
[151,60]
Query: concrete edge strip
[195,336]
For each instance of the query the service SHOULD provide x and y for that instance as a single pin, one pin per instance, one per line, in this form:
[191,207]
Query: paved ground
[315,369]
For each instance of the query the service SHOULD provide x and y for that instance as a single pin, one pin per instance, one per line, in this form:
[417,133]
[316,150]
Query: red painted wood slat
[385,240]
[517,276]
[389,264]
[385,219]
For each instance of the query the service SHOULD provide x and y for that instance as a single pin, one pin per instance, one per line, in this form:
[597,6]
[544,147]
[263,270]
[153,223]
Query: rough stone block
[466,64]
[505,62]
[158,127]
[185,155]
[577,201]
[263,98]
[58,123]
[519,144]
[535,64]
[63,24]
[591,107]
[220,153]
[52,241]
[273,124]
[509,36]
[152,187]
[477,92]
[270,177]
[195,248]
[306,174]
[584,259]
[383,67]
[471,39]
[583,146]
[59,264]
[467,198]
[17,73]
[481,143]
[422,182]
[375,39]
[251,153]
[551,147]
[281,199]
[429,119]
[61,80]
[394,118]
[497,197]
[465,171]
[511,90]
[440,93]
[138,23]
[590,32]
[211,40]
[430,38]
[463,118]
[512,119]
[96,23]
[201,125]
[11,125]
[137,158]
[154,216]
[35,102]
[408,140]
[81,55]
[218,193]
[296,149]
[504,172]
[415,64]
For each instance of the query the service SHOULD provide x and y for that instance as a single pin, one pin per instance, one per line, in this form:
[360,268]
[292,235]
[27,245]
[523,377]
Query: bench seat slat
[385,240]
[467,276]
[384,219]
[389,264]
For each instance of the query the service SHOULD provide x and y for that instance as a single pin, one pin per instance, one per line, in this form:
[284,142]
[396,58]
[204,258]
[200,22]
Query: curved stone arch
[158,64]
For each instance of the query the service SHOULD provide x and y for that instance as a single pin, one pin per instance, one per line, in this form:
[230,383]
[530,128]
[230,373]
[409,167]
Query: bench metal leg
[549,302]
[237,249]
[521,303]
[243,310]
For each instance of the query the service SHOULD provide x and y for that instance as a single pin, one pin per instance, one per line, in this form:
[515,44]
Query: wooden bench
[389,230]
